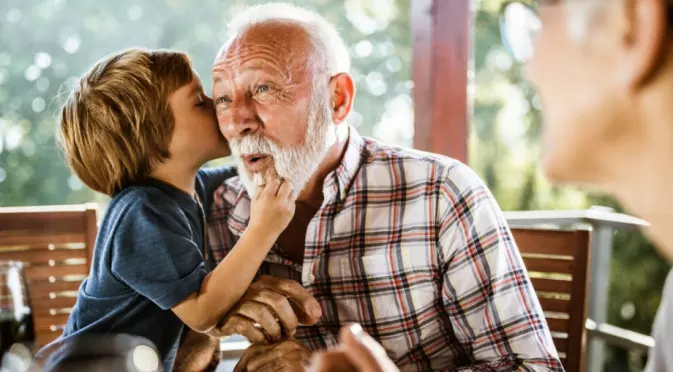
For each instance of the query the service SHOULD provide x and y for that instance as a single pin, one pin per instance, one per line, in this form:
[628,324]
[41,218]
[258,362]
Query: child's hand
[273,204]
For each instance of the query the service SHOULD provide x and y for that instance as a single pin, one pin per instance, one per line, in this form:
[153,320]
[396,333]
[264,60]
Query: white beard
[296,164]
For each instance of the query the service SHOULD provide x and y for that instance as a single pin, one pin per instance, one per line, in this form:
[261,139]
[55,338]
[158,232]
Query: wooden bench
[56,244]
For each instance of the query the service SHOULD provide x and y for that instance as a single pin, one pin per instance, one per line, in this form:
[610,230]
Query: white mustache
[253,144]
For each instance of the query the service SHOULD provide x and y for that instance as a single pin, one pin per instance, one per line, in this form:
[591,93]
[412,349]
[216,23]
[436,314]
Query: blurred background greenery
[46,44]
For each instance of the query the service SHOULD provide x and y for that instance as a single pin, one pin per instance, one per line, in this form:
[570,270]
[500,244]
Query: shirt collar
[338,182]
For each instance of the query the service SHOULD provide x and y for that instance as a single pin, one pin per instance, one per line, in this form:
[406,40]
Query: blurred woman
[604,72]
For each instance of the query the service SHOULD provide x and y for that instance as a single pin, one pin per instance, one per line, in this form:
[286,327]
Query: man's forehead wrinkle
[281,49]
[264,60]
[285,64]
[282,35]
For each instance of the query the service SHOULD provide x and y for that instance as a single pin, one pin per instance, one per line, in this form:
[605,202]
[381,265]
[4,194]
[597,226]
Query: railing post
[599,285]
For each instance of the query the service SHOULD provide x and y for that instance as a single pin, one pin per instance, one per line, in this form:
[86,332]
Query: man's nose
[243,120]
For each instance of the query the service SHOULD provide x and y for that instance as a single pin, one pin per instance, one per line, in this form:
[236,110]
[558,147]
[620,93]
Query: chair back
[558,263]
[56,244]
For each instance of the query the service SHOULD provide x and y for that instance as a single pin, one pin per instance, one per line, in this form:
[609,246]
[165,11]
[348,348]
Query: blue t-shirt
[148,258]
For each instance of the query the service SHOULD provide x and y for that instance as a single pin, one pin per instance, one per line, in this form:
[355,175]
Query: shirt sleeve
[661,356]
[494,311]
[154,254]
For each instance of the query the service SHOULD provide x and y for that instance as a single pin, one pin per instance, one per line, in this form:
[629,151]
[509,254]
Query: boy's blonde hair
[116,125]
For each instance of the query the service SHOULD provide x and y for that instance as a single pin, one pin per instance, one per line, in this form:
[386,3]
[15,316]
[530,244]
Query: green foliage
[46,44]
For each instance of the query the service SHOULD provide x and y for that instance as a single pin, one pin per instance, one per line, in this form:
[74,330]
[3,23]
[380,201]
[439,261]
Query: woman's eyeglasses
[520,26]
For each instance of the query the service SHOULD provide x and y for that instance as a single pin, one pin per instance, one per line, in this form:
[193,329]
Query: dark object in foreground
[13,330]
[99,352]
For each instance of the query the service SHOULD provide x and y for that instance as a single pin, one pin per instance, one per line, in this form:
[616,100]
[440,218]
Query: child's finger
[284,190]
[272,186]
[259,189]
[270,174]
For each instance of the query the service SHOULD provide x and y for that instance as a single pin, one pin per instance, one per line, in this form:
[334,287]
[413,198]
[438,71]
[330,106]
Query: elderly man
[604,71]
[410,245]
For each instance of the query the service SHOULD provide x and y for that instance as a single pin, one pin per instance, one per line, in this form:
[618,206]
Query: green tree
[46,44]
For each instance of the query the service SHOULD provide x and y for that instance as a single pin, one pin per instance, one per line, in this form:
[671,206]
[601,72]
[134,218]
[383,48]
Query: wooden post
[442,35]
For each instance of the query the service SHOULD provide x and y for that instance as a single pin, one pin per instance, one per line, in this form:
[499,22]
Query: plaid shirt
[413,247]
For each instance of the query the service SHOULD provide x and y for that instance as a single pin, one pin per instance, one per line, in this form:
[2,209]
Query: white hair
[331,52]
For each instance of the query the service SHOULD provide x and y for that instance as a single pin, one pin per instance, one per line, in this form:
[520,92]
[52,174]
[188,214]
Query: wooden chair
[558,262]
[56,244]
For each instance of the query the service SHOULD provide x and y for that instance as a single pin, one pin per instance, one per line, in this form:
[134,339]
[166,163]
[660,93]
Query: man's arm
[486,291]
[197,352]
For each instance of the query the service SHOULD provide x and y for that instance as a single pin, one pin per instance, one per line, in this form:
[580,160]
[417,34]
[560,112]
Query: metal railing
[603,223]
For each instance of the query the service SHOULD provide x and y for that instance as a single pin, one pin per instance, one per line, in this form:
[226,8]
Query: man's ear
[342,89]
[644,31]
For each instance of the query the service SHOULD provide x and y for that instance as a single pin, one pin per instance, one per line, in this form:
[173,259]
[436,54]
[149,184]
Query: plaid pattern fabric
[414,248]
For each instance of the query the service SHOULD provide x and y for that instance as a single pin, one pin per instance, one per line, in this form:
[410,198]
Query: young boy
[138,128]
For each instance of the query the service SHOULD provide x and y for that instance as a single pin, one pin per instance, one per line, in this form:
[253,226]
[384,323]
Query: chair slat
[558,325]
[44,272]
[552,285]
[44,337]
[44,323]
[561,344]
[43,255]
[33,239]
[552,242]
[48,221]
[39,289]
[547,265]
[55,303]
[555,305]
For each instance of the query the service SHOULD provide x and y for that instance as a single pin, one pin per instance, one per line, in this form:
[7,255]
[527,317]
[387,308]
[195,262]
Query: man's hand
[286,356]
[270,309]
[357,352]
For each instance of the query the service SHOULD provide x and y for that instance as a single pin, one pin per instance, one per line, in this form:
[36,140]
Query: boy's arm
[222,288]
[155,255]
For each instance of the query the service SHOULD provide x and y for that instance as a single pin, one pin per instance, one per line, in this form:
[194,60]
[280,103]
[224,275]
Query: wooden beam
[442,35]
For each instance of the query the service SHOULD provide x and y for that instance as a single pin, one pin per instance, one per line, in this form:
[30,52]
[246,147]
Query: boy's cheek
[227,149]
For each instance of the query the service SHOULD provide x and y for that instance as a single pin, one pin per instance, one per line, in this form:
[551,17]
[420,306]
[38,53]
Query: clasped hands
[268,315]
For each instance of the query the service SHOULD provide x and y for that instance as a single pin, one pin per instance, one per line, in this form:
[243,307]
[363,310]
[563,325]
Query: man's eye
[222,101]
[262,89]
